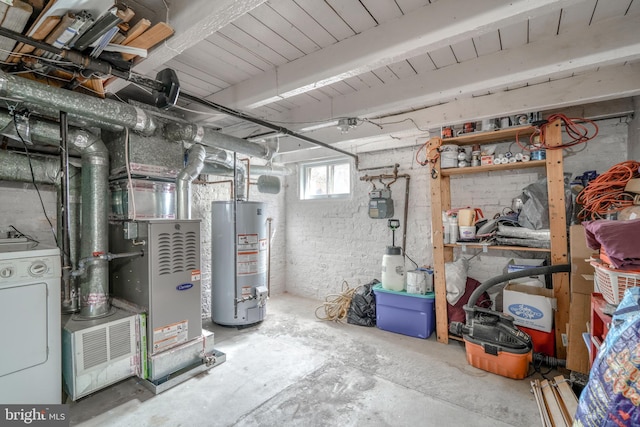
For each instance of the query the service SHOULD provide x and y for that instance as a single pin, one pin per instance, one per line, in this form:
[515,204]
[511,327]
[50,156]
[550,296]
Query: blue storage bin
[403,313]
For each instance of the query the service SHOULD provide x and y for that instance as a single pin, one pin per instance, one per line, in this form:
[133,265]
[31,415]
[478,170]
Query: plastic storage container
[402,313]
[393,269]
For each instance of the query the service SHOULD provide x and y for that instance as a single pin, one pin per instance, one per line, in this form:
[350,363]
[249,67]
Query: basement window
[325,180]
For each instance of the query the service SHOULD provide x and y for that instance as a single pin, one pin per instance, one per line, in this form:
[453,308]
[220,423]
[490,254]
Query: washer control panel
[17,270]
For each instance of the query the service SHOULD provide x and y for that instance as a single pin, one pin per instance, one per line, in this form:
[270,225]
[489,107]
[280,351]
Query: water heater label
[248,254]
[170,335]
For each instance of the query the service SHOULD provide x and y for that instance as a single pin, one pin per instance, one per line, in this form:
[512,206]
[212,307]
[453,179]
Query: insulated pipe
[211,138]
[195,163]
[105,110]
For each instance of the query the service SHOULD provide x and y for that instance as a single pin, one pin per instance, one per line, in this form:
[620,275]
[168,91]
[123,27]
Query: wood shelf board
[456,338]
[487,137]
[496,247]
[491,168]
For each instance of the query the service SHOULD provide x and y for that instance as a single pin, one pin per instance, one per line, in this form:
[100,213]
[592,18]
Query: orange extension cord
[578,133]
[605,194]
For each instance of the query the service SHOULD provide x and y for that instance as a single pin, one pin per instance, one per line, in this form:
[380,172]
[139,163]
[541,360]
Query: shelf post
[558,228]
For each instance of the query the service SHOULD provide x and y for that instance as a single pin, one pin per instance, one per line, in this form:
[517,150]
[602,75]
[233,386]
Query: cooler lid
[379,288]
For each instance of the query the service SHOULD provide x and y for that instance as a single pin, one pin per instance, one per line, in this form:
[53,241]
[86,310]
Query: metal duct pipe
[94,286]
[184,179]
[211,138]
[222,161]
[256,170]
[102,110]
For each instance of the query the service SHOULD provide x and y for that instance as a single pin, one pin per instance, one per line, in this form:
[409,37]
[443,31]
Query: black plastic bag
[362,310]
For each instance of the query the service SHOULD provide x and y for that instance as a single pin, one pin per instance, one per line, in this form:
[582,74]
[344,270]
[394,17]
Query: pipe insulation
[201,135]
[101,110]
[94,285]
[195,163]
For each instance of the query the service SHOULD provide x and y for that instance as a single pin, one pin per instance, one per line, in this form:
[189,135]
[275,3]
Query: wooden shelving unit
[441,200]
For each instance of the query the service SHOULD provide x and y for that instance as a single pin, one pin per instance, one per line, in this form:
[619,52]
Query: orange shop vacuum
[493,343]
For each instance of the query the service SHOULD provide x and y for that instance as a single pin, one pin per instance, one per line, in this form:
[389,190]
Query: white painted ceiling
[399,67]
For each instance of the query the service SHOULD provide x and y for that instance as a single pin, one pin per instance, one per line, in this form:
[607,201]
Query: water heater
[239,252]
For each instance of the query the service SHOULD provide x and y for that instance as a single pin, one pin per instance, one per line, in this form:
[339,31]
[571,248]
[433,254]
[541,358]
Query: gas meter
[380,203]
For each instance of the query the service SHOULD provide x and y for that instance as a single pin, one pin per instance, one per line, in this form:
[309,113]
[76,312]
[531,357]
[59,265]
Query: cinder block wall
[331,241]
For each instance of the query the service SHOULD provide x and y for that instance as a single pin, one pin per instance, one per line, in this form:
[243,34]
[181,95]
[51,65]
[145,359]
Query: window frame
[328,164]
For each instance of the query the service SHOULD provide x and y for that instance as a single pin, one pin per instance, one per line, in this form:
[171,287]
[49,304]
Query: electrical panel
[380,204]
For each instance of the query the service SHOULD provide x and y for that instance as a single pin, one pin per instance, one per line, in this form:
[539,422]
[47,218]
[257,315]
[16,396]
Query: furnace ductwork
[186,176]
[77,104]
[200,135]
[94,286]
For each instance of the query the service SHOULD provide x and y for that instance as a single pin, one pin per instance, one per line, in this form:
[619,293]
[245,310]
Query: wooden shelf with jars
[441,201]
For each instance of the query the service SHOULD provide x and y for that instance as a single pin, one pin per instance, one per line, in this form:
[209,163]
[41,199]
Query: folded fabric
[617,238]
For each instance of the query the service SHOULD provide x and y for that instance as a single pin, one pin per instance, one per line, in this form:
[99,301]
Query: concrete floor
[294,370]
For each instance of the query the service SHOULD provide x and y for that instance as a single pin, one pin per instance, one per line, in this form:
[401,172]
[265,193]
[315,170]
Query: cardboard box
[581,279]
[519,264]
[486,160]
[530,307]
[579,315]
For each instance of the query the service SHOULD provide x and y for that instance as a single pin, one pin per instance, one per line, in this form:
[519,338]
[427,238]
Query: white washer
[30,360]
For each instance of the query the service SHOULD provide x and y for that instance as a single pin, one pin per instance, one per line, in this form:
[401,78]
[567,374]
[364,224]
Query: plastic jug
[393,269]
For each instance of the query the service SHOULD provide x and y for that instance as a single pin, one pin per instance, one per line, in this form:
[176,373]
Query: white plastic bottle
[445,227]
[393,269]
[453,229]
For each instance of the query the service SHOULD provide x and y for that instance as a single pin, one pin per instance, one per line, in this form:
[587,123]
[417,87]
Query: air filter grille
[119,340]
[94,345]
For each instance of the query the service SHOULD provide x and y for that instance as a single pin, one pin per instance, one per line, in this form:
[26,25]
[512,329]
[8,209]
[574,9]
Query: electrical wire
[605,194]
[336,306]
[33,177]
[21,234]
[575,128]
[409,258]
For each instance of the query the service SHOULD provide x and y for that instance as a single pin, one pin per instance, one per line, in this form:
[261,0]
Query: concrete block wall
[331,241]
[21,208]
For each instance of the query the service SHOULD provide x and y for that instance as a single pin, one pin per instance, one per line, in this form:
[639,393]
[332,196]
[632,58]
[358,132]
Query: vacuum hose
[484,286]
[550,361]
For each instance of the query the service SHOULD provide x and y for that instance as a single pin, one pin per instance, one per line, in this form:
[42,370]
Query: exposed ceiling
[399,67]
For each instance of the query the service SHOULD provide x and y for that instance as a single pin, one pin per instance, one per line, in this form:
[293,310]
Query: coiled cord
[605,194]
[336,306]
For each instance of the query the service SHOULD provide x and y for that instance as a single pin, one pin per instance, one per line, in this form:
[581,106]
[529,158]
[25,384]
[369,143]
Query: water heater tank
[238,263]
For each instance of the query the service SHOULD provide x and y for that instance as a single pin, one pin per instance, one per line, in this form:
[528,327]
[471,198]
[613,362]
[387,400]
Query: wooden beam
[429,28]
[193,21]
[603,85]
[597,46]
